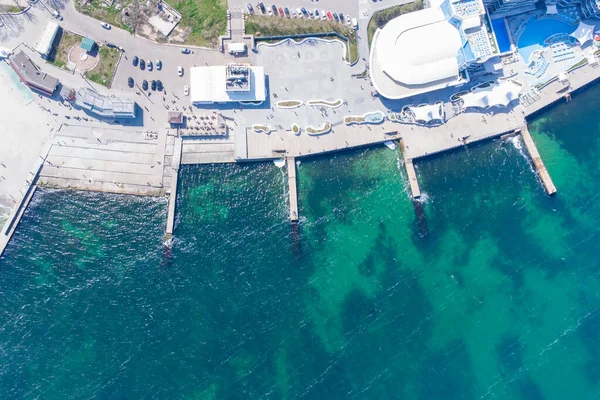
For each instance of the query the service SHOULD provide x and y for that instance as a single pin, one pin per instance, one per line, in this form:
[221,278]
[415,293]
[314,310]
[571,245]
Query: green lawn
[260,25]
[13,9]
[382,17]
[60,52]
[206,18]
[103,72]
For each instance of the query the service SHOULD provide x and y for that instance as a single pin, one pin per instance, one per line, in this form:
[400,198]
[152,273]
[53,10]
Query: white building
[227,84]
[44,43]
[429,49]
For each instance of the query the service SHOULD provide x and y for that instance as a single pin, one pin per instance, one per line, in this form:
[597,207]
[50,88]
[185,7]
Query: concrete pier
[291,167]
[537,161]
[412,178]
[175,163]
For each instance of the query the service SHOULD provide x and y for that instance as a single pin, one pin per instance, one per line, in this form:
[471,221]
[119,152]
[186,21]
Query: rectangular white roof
[208,85]
[44,44]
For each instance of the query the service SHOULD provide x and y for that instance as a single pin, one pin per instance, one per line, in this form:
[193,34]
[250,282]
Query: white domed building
[430,49]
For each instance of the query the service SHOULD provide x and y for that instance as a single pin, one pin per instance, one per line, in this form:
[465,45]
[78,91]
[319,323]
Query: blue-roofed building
[88,44]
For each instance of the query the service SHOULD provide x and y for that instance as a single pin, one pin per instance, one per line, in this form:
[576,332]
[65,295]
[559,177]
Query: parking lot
[171,57]
[346,7]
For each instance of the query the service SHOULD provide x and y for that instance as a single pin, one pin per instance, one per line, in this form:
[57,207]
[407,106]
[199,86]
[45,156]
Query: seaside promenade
[144,158]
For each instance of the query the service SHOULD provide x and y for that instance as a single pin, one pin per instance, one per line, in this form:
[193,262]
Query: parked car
[180,71]
[250,8]
[185,50]
[323,15]
[149,65]
[261,7]
[186,90]
[354,23]
[159,86]
[335,16]
[347,19]
[158,65]
[286,11]
[293,13]
[310,13]
[142,64]
[299,13]
[317,15]
[304,12]
[281,13]
[145,85]
[105,25]
[130,82]
[329,16]
[228,14]
[135,61]
[270,10]
[274,9]
[153,85]
[341,17]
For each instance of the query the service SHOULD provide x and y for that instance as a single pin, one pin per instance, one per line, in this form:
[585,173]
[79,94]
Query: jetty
[175,164]
[537,161]
[292,182]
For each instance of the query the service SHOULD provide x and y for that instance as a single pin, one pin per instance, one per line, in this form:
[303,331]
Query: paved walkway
[109,160]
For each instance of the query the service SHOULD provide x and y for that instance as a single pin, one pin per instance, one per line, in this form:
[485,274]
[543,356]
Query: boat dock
[537,161]
[175,164]
[291,167]
[412,179]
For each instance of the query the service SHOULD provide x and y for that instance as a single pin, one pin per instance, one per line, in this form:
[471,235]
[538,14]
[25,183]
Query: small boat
[390,144]
[279,163]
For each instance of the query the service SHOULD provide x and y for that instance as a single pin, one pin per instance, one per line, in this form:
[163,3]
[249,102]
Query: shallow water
[487,288]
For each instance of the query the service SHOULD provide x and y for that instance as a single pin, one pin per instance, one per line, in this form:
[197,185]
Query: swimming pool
[536,32]
[501,35]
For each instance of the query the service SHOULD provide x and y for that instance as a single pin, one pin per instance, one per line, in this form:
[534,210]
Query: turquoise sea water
[488,289]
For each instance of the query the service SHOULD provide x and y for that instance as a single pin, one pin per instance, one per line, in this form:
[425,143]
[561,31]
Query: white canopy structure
[551,9]
[496,95]
[428,112]
[584,33]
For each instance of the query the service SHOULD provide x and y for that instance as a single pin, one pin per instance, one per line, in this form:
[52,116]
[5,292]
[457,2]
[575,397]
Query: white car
[293,12]
[270,10]
[347,20]
[317,15]
[180,71]
[299,12]
[323,14]
[186,90]
[105,25]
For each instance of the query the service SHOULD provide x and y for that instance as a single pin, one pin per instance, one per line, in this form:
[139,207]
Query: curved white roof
[418,48]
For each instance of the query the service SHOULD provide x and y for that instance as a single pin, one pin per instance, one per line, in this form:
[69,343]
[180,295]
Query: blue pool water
[501,35]
[537,31]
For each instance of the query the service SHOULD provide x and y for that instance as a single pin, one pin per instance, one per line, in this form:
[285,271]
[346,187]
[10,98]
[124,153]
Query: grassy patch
[382,17]
[206,18]
[60,53]
[12,9]
[103,72]
[260,25]
[106,14]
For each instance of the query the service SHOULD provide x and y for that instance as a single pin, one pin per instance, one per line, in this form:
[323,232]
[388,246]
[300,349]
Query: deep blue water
[488,289]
